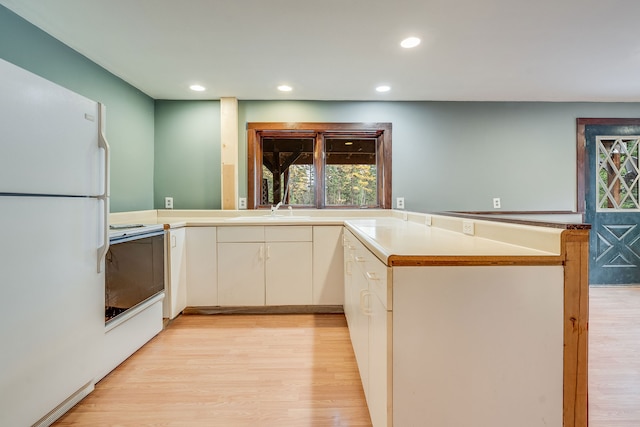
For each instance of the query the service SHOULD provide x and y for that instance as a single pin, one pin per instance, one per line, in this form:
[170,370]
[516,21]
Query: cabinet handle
[364,302]
[371,276]
[268,252]
[261,253]
[360,259]
[348,268]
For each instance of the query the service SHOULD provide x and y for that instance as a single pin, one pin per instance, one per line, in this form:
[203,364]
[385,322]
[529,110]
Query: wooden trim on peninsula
[575,250]
[423,261]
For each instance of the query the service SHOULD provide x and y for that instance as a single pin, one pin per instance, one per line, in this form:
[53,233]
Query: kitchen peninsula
[455,319]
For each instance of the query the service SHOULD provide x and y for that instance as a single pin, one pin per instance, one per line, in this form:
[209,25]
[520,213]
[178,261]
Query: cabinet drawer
[348,242]
[376,273]
[241,234]
[374,270]
[290,233]
[360,254]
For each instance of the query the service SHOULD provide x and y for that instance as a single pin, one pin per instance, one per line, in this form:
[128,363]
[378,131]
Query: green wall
[130,113]
[187,154]
[460,155]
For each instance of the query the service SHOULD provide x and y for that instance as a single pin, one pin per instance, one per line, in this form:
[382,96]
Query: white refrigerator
[54,187]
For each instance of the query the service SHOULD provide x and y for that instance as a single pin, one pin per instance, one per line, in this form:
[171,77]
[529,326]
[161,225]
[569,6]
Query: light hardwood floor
[234,370]
[614,357]
[299,370]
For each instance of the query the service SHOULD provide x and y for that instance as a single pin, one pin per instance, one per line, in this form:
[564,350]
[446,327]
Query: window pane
[287,171]
[351,177]
[302,185]
[267,186]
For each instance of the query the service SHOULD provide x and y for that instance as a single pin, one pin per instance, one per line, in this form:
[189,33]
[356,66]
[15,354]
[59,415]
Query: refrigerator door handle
[102,143]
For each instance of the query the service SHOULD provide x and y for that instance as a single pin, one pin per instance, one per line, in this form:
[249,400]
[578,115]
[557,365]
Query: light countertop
[392,239]
[395,237]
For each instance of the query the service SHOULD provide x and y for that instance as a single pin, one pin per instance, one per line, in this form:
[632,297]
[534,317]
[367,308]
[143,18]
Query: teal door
[612,203]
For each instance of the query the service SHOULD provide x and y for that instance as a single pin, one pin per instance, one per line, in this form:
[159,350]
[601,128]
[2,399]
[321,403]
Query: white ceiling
[472,50]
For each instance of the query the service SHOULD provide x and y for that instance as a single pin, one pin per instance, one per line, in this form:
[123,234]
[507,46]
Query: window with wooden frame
[319,165]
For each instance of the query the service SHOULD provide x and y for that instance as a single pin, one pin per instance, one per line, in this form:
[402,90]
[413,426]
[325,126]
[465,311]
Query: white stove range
[120,231]
[134,290]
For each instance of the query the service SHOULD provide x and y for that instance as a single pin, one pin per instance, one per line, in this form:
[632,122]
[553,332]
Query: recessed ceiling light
[410,42]
[285,88]
[197,88]
[383,88]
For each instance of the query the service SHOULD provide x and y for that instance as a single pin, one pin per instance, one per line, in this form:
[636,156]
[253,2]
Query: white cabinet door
[241,274]
[289,270]
[269,265]
[365,307]
[177,285]
[360,330]
[202,268]
[379,347]
[348,304]
[288,273]
[328,280]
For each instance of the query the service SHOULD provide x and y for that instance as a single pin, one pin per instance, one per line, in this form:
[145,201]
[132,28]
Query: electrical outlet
[242,203]
[427,220]
[496,203]
[399,202]
[468,228]
[168,202]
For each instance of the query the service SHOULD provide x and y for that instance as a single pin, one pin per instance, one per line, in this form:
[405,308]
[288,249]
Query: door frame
[581,152]
[582,172]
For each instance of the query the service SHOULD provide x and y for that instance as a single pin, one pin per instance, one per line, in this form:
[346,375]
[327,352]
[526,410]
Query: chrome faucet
[274,209]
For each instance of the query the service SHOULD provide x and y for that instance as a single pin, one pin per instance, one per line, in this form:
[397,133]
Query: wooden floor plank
[614,357]
[299,370]
[234,370]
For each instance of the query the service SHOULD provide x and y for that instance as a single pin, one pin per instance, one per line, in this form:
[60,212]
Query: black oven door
[134,270]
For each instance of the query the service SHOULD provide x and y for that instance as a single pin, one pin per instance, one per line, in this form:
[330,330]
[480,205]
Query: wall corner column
[229,152]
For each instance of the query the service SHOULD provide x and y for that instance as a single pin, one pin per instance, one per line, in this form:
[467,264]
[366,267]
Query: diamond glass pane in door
[617,173]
